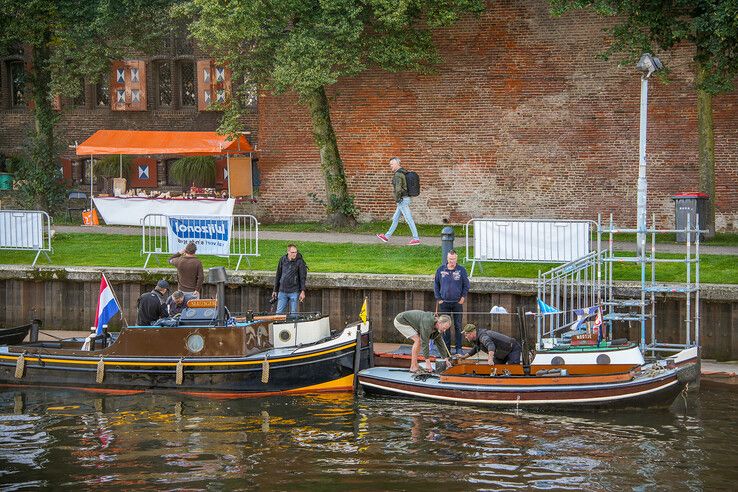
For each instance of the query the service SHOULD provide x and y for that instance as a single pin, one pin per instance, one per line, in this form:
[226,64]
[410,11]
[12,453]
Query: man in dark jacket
[451,287]
[152,305]
[289,283]
[501,349]
[399,187]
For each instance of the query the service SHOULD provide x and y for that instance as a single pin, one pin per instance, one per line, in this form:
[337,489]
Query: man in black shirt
[152,306]
[501,349]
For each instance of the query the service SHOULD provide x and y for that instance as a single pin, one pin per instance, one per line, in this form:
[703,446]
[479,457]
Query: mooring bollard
[447,242]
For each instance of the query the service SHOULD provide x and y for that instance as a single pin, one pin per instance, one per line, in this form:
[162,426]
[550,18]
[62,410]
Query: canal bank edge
[66,298]
[370,281]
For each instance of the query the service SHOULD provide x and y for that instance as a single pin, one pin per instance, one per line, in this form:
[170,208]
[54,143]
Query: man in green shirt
[421,327]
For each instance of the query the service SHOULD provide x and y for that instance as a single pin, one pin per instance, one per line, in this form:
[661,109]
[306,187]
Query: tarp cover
[132,142]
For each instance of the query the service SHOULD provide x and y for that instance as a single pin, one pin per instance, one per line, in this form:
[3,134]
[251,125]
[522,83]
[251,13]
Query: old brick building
[521,119]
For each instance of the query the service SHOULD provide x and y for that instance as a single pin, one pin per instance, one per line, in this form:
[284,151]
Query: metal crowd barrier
[26,230]
[527,240]
[224,236]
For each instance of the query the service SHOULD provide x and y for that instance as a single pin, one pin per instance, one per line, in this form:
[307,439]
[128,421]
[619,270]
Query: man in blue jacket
[451,287]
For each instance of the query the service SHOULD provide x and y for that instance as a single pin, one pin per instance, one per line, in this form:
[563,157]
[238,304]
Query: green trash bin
[6,181]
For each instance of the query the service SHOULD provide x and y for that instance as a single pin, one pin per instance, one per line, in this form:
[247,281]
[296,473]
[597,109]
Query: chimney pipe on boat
[217,276]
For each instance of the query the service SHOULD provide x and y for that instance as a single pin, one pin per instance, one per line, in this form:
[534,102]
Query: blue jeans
[403,208]
[283,297]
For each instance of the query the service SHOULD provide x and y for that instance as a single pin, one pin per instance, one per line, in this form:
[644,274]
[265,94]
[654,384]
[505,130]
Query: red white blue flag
[107,306]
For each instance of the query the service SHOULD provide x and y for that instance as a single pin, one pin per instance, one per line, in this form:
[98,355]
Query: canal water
[54,439]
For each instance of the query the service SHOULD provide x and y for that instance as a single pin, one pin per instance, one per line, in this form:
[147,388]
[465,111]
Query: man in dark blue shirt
[501,349]
[451,287]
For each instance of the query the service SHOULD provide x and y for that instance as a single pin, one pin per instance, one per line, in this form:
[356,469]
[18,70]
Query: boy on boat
[421,327]
[501,349]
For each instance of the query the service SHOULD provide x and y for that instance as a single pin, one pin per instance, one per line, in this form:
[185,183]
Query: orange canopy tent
[133,142]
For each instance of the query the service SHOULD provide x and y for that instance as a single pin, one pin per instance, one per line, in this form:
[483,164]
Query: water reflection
[155,441]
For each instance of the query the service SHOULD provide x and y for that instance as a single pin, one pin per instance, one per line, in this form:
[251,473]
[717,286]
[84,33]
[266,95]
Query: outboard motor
[218,276]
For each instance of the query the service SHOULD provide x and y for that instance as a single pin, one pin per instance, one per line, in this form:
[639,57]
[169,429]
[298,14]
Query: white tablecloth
[131,211]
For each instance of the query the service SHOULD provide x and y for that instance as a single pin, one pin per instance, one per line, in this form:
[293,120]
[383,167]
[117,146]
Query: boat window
[195,343]
[603,359]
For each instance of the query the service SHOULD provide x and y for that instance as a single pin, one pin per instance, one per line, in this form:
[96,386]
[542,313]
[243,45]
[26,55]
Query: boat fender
[100,376]
[179,373]
[20,366]
[265,370]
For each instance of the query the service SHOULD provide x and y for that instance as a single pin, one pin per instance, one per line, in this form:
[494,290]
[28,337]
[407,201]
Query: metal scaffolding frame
[589,281]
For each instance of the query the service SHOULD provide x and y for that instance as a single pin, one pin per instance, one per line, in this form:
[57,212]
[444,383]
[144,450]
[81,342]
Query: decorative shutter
[221,174]
[213,84]
[142,173]
[66,168]
[128,85]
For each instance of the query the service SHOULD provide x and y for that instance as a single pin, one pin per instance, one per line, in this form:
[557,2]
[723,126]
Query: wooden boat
[572,387]
[209,353]
[11,336]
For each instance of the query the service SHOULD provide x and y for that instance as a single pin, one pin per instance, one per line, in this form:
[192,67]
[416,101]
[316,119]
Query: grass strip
[122,251]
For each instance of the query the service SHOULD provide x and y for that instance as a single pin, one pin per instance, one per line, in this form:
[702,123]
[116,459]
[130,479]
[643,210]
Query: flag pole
[120,307]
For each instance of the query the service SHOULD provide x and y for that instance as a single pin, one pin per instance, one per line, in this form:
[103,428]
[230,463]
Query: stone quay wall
[66,298]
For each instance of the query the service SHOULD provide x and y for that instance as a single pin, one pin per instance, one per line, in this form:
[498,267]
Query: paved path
[340,237]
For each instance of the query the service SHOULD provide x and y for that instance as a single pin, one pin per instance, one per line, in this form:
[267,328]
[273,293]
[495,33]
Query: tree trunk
[43,150]
[339,204]
[706,144]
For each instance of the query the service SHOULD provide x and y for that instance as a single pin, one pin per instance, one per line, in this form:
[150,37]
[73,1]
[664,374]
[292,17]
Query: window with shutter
[143,173]
[66,171]
[214,85]
[17,75]
[128,86]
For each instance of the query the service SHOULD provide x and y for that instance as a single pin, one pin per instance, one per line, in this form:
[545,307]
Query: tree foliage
[709,26]
[63,42]
[307,45]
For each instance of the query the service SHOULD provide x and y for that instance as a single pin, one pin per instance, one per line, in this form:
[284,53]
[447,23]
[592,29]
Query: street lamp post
[647,65]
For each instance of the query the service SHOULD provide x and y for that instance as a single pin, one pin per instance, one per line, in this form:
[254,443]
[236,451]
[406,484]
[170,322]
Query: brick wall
[521,119]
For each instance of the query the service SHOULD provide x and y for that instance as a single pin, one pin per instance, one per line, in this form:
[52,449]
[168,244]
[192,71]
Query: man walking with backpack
[402,197]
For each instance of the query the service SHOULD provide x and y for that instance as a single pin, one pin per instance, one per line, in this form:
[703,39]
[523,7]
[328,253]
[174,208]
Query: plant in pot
[109,167]
[194,171]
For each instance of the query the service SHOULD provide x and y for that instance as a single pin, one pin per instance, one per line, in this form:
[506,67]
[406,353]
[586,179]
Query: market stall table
[132,210]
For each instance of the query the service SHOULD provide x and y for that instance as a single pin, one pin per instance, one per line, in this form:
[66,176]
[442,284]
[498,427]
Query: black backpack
[413,183]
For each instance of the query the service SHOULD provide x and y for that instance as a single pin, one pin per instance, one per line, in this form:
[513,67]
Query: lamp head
[648,64]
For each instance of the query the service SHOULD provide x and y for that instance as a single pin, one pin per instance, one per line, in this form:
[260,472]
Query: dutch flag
[107,306]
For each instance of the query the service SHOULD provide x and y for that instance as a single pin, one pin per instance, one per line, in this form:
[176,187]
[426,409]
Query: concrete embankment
[66,298]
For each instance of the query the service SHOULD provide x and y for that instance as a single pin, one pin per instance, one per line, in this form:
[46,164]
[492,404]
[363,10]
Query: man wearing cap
[151,305]
[501,349]
[190,275]
[421,327]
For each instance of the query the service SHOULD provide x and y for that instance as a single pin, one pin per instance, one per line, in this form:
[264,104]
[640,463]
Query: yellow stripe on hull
[33,357]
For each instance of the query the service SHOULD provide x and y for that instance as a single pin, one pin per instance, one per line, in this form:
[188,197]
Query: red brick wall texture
[520,120]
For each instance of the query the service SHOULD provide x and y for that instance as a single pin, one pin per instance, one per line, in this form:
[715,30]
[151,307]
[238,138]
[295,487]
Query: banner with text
[212,235]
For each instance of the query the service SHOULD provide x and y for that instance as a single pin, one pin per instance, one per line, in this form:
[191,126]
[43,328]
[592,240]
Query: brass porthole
[195,343]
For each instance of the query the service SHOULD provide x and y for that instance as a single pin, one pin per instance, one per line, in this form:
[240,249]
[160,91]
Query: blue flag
[545,308]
